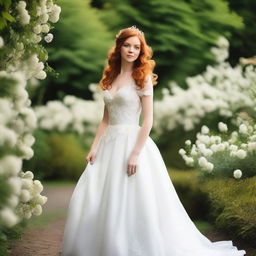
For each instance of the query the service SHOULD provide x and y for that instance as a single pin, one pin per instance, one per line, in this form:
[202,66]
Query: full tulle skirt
[113,214]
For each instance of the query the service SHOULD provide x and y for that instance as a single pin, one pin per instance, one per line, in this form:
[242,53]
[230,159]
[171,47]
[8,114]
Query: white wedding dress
[113,214]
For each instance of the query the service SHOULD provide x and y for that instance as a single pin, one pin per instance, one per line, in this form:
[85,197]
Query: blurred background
[204,105]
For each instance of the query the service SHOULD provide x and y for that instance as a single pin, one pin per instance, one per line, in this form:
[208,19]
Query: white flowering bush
[72,114]
[31,200]
[23,24]
[224,154]
[24,193]
[218,93]
[26,24]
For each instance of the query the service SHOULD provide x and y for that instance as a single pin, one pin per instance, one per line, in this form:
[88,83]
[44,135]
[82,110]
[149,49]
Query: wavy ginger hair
[143,65]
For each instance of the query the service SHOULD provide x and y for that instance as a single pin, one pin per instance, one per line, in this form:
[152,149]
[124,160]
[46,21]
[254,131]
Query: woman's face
[130,49]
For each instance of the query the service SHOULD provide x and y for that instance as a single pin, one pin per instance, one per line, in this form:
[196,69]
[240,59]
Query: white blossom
[55,12]
[8,217]
[41,75]
[243,129]
[24,196]
[23,16]
[241,153]
[45,28]
[189,160]
[182,151]
[10,165]
[252,146]
[38,186]
[13,201]
[27,215]
[8,137]
[37,29]
[209,167]
[202,161]
[222,127]
[1,42]
[188,142]
[204,129]
[37,210]
[15,184]
[233,147]
[44,17]
[27,183]
[237,174]
[28,139]
[48,38]
[39,199]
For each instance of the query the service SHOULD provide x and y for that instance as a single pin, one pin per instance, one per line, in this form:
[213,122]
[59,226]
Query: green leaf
[8,16]
[7,3]
[2,23]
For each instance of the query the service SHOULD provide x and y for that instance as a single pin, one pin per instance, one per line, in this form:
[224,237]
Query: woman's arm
[101,128]
[147,111]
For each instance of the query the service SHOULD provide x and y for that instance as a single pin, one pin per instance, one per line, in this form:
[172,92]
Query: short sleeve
[148,88]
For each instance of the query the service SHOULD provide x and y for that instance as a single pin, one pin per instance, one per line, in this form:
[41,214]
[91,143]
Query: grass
[45,219]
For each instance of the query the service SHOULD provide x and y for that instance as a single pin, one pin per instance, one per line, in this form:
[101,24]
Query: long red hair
[143,65]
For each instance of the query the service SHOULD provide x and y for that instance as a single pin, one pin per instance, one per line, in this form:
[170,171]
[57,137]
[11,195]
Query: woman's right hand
[91,156]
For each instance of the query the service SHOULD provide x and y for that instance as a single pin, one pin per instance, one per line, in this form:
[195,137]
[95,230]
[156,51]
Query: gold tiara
[132,27]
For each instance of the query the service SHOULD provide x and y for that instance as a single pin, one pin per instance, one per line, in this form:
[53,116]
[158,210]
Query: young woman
[124,203]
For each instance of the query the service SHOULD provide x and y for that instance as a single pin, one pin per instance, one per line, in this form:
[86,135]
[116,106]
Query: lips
[130,56]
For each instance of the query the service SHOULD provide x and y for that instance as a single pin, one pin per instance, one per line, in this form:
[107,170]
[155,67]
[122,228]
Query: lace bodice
[124,107]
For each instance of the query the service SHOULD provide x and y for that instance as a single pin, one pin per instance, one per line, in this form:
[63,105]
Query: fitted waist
[113,130]
[123,125]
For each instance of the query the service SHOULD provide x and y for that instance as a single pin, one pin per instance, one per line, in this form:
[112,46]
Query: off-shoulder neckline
[120,88]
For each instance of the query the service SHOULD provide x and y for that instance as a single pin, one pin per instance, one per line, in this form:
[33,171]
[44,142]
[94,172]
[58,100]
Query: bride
[124,203]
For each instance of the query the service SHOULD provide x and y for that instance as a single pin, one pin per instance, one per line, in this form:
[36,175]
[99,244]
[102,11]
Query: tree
[77,53]
[243,41]
[180,32]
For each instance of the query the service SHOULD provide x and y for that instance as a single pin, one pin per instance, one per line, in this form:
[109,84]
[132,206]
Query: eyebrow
[135,44]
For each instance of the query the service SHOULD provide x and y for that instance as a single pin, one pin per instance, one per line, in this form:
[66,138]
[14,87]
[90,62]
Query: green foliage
[57,156]
[242,44]
[42,153]
[68,158]
[229,203]
[180,32]
[5,191]
[5,16]
[233,205]
[77,52]
[187,186]
[170,147]
[225,151]
[9,235]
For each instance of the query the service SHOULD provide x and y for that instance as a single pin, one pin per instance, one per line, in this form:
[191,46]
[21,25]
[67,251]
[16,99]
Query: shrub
[228,203]
[58,156]
[233,205]
[188,189]
[223,154]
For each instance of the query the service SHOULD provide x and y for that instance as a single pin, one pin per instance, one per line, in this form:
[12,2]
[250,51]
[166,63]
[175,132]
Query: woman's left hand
[132,164]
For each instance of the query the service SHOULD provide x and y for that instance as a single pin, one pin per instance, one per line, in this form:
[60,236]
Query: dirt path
[46,239]
[41,242]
